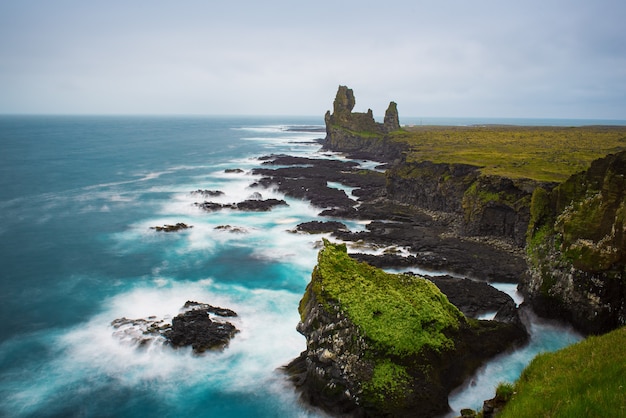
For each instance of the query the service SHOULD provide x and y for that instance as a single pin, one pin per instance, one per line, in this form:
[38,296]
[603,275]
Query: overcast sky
[450,58]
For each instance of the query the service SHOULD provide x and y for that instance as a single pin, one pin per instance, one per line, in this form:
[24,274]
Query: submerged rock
[208,193]
[172,228]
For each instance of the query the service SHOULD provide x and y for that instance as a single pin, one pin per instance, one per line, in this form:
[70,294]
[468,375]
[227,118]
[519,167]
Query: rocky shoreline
[445,217]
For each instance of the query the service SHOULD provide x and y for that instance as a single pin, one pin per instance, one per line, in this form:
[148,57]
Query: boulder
[193,327]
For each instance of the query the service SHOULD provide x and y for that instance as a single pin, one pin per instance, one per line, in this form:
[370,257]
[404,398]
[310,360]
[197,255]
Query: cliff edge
[577,248]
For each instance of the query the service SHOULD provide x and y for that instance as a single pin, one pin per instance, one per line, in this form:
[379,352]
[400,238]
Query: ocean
[78,198]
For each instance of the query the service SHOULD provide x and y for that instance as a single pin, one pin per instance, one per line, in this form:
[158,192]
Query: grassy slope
[539,153]
[587,379]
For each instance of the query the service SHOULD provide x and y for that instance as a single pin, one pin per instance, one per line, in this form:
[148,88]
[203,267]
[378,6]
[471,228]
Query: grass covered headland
[587,379]
[538,153]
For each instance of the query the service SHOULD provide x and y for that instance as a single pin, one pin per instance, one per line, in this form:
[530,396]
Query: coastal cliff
[382,344]
[481,205]
[577,248]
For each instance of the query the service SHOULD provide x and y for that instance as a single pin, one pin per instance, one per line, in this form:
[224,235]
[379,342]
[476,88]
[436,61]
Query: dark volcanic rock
[473,298]
[307,178]
[215,310]
[255,205]
[172,228]
[434,251]
[192,328]
[232,229]
[250,205]
[207,193]
[317,227]
[195,328]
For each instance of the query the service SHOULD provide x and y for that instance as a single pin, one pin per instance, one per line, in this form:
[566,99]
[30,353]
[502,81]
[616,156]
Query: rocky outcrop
[380,344]
[358,134]
[318,227]
[307,178]
[248,205]
[577,248]
[193,327]
[172,228]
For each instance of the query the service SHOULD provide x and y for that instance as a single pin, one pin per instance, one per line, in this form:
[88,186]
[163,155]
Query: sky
[445,58]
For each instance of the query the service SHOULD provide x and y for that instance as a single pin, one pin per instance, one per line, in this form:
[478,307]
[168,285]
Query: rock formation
[381,344]
[193,327]
[577,248]
[358,134]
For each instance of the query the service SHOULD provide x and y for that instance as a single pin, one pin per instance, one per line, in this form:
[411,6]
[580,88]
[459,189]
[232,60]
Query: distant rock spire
[344,103]
[343,117]
[392,120]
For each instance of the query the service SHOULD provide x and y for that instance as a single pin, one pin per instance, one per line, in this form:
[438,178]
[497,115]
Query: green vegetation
[505,391]
[587,379]
[362,134]
[538,153]
[399,314]
[390,383]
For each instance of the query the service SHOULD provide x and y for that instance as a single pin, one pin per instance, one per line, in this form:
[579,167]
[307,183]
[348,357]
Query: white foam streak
[267,341]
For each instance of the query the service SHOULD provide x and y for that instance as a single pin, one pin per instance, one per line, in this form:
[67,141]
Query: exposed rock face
[392,120]
[386,345]
[485,205]
[358,134]
[577,248]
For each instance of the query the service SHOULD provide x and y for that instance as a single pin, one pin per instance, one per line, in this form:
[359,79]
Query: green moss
[482,194]
[540,212]
[360,133]
[399,314]
[390,385]
[587,379]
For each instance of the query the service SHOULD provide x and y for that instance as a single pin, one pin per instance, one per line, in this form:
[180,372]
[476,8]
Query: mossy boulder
[385,344]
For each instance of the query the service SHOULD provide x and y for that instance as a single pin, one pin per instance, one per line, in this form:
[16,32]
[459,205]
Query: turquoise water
[77,199]
[78,196]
